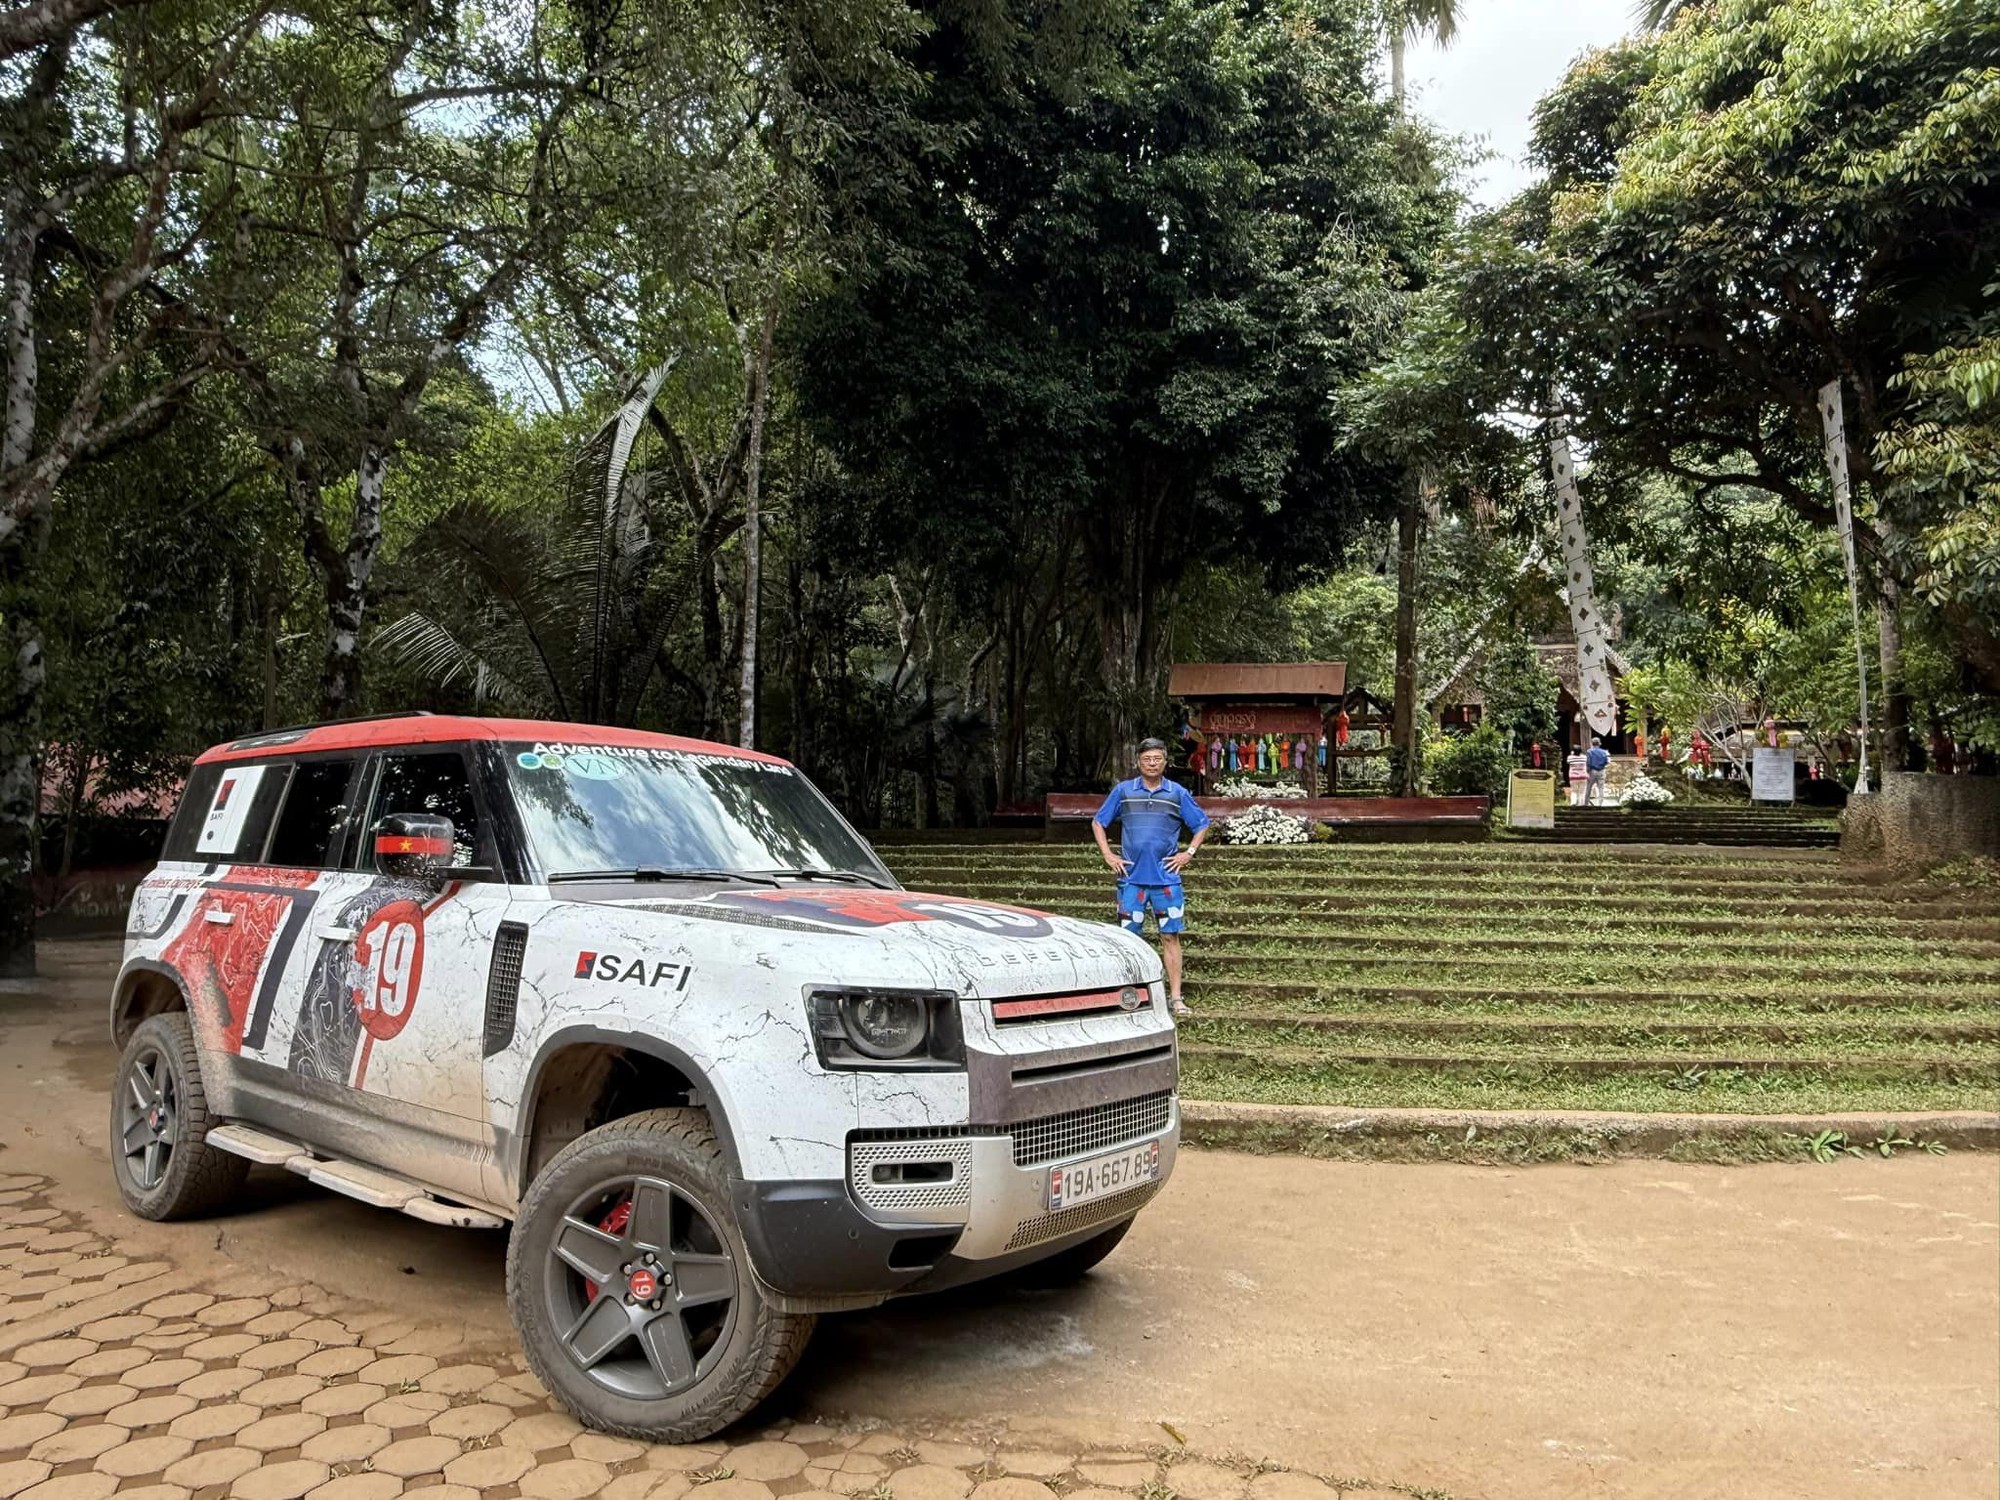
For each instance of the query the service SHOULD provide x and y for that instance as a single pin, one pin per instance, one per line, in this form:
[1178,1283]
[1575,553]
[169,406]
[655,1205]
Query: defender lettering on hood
[614,969]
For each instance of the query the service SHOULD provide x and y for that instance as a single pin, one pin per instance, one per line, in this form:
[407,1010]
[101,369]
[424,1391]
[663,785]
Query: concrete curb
[1552,1135]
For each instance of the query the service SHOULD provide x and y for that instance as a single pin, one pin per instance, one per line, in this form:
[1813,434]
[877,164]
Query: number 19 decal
[389,958]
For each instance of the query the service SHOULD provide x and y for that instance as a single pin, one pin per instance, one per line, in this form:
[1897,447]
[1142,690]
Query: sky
[1507,54]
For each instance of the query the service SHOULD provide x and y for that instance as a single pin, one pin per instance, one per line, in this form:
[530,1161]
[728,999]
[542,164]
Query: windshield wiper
[852,877]
[661,872]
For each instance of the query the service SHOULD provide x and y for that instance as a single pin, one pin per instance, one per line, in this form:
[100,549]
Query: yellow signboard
[1531,799]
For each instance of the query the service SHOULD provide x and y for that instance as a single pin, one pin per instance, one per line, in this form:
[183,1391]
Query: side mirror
[414,846]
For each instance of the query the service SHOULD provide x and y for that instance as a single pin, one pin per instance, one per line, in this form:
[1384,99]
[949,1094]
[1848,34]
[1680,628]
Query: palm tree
[1658,15]
[1410,18]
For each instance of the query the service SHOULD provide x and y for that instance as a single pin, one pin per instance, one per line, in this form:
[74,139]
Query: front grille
[503,985]
[1097,1128]
[1070,1220]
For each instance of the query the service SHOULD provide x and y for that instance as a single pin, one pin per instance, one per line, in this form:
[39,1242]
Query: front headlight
[877,1028]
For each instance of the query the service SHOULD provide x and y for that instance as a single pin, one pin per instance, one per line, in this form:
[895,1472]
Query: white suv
[653,1001]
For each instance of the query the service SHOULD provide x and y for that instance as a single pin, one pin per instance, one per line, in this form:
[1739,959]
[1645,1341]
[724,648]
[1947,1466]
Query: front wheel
[159,1127]
[628,1280]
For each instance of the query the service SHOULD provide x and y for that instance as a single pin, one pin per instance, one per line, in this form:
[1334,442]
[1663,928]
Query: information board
[1771,774]
[1531,799]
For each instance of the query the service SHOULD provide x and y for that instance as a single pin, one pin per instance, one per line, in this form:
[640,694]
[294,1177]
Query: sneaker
[1179,1008]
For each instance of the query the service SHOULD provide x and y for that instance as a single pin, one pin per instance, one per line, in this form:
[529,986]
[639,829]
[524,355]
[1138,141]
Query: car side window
[437,783]
[313,815]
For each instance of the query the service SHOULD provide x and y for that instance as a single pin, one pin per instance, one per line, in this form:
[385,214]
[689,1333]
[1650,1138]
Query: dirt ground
[1635,1330]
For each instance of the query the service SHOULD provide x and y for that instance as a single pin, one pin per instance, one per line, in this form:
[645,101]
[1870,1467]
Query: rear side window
[314,813]
[437,783]
[226,811]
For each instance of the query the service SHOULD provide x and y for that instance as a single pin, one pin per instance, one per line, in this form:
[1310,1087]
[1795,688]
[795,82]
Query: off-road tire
[762,1344]
[1077,1262]
[198,1179]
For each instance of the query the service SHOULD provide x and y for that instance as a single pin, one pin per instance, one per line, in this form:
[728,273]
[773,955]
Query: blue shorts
[1169,906]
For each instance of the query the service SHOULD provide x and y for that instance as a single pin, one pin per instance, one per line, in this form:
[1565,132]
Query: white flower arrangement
[1243,786]
[1643,791]
[1266,825]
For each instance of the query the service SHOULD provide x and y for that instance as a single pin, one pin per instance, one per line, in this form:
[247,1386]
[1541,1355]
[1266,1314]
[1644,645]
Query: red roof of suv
[430,729]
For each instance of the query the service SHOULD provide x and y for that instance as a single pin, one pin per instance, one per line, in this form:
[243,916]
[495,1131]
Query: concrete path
[1637,1329]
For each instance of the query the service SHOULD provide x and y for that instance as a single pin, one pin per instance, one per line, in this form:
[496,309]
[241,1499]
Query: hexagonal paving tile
[46,1354]
[25,1429]
[480,1420]
[416,1455]
[485,1468]
[151,1411]
[1117,1476]
[565,1479]
[278,1321]
[160,1374]
[286,1481]
[78,1444]
[394,1369]
[232,1314]
[414,1410]
[108,1362]
[218,1385]
[147,1455]
[544,1430]
[21,1474]
[122,1326]
[72,1487]
[1013,1489]
[847,1473]
[326,1333]
[218,1420]
[458,1380]
[281,1430]
[360,1487]
[217,1466]
[33,1390]
[736,1489]
[278,1354]
[335,1361]
[89,1400]
[1034,1463]
[1202,1481]
[279,1391]
[352,1444]
[930,1482]
[221,1346]
[343,1400]
[767,1461]
[606,1449]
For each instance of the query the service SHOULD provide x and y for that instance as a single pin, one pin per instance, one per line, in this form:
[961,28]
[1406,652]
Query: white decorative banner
[1772,774]
[1593,664]
[1832,419]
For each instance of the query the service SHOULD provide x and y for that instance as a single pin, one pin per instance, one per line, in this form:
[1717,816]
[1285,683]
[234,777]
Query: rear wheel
[159,1125]
[1075,1263]
[629,1283]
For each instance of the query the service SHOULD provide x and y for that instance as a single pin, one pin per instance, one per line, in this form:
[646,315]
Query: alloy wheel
[641,1287]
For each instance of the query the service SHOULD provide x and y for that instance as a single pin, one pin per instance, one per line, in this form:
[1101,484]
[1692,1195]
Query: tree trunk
[1403,733]
[1889,639]
[347,590]
[753,547]
[1396,43]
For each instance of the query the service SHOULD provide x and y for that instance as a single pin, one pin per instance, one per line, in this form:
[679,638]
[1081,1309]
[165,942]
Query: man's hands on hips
[1179,862]
[1119,867]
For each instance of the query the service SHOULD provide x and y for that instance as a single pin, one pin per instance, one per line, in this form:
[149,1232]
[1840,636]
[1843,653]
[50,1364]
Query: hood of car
[851,933]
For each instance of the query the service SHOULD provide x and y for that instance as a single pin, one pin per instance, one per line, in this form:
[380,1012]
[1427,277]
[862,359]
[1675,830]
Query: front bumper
[852,1243]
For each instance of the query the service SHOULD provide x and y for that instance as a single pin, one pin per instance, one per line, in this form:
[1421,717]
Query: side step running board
[379,1189]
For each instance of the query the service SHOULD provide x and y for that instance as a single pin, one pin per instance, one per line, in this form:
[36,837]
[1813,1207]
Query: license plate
[1101,1176]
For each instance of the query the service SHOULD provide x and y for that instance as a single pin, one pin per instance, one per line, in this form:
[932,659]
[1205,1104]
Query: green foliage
[1474,764]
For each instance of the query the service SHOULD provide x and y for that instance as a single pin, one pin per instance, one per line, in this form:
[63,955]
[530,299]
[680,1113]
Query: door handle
[340,934]
[219,918]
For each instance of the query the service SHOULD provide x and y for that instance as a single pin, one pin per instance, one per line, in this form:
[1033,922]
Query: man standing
[1598,761]
[1150,810]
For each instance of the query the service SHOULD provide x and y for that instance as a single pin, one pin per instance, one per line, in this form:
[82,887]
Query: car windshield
[599,808]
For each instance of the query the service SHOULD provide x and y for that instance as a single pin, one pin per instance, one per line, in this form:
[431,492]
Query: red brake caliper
[612,1223]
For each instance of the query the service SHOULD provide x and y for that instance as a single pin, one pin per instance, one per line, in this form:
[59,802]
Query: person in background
[1597,761]
[1578,768]
[1150,812]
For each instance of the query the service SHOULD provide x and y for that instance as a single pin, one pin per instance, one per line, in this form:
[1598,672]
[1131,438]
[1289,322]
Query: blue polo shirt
[1598,758]
[1150,820]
